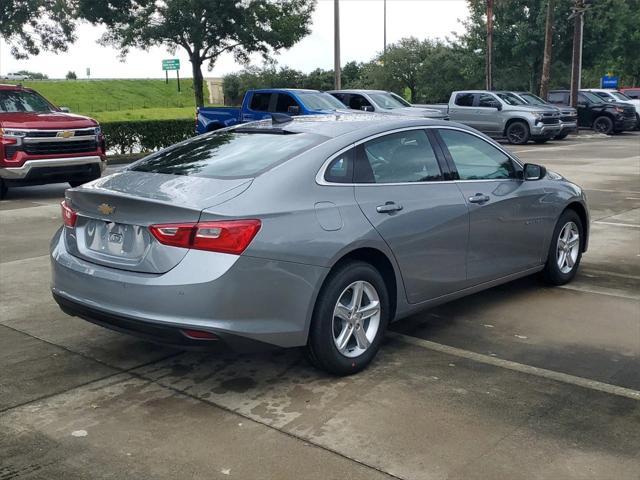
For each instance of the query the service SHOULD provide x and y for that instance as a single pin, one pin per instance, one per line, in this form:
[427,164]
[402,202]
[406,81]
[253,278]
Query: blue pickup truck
[259,104]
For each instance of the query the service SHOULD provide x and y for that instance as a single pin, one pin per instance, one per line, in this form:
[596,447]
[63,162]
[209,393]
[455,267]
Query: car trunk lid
[114,214]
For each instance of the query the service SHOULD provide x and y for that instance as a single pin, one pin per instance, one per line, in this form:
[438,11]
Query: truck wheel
[518,133]
[561,136]
[3,189]
[349,319]
[603,125]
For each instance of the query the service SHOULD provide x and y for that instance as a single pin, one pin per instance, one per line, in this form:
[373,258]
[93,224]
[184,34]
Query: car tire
[346,345]
[518,133]
[565,250]
[3,189]
[603,124]
[561,136]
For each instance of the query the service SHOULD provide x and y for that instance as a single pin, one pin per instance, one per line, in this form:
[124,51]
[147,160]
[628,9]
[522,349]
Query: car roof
[337,124]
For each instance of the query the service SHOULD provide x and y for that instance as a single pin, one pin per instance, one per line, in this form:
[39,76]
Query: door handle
[479,198]
[389,207]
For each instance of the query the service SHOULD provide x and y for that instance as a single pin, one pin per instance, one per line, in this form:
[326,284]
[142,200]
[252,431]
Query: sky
[361,37]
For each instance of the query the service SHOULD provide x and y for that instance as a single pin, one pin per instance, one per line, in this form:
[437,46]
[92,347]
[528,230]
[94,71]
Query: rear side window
[340,170]
[397,158]
[260,102]
[464,99]
[228,154]
[559,98]
[476,159]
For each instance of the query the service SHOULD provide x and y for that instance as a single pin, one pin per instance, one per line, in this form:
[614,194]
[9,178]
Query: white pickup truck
[502,115]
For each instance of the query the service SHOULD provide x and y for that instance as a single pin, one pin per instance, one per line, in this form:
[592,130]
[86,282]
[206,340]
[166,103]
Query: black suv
[593,112]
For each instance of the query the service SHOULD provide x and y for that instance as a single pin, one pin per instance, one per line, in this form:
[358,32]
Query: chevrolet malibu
[313,232]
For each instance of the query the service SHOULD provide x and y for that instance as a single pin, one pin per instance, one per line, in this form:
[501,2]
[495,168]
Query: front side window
[228,154]
[476,159]
[464,99]
[12,101]
[486,100]
[284,102]
[386,100]
[356,102]
[320,101]
[510,98]
[532,99]
[605,96]
[260,102]
[397,158]
[588,97]
[620,96]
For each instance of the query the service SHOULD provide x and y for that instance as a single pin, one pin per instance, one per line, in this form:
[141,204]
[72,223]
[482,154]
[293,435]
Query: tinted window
[510,99]
[340,170]
[356,102]
[22,101]
[228,154]
[604,95]
[464,99]
[260,102]
[397,158]
[486,100]
[559,98]
[284,102]
[476,159]
[589,97]
[341,96]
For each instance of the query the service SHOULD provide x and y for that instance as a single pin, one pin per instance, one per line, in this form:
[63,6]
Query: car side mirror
[64,109]
[293,110]
[533,172]
[498,106]
[367,108]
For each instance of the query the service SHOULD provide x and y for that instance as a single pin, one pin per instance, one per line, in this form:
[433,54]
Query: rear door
[463,110]
[507,216]
[423,219]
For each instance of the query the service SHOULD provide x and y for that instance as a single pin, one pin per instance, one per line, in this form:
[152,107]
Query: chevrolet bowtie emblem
[106,209]
[66,134]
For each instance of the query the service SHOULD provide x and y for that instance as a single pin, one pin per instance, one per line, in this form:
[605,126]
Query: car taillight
[227,236]
[69,215]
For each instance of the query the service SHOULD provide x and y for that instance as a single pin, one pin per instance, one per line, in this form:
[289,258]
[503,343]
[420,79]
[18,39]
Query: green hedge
[145,135]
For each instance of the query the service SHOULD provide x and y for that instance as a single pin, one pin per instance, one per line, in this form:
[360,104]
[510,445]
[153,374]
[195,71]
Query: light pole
[336,44]
[385,28]
[579,8]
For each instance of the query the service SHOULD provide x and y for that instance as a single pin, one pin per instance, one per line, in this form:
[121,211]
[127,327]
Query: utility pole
[489,59]
[336,44]
[548,45]
[579,8]
[385,27]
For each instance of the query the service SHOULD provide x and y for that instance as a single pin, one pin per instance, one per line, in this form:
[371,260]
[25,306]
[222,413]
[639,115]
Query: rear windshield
[228,154]
[12,101]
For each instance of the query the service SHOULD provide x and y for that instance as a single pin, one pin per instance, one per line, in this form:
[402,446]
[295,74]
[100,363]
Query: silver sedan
[313,232]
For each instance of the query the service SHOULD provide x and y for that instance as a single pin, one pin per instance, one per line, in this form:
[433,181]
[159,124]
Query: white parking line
[607,292]
[617,224]
[519,367]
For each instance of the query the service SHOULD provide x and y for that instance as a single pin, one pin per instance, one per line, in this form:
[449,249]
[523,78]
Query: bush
[146,135]
[71,75]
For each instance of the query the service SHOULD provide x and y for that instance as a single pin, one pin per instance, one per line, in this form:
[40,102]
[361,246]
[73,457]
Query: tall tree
[548,45]
[402,64]
[205,29]
[30,26]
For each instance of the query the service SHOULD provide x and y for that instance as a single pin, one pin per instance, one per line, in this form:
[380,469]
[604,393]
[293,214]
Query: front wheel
[518,133]
[349,320]
[603,125]
[565,250]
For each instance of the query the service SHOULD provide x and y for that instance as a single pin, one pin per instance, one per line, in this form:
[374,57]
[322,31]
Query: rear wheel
[603,125]
[565,250]
[518,133]
[349,320]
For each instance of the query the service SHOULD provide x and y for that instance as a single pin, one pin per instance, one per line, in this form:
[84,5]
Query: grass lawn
[143,114]
[91,96]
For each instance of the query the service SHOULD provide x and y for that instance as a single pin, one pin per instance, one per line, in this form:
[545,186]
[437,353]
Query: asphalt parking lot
[521,382]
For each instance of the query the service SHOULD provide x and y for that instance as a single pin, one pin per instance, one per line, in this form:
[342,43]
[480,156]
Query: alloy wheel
[601,125]
[568,247]
[356,319]
[517,134]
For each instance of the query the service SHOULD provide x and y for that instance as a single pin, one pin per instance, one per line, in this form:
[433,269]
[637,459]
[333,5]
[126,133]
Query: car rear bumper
[257,299]
[61,169]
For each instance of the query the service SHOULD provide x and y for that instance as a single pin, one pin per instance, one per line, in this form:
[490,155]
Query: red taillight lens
[230,236]
[69,215]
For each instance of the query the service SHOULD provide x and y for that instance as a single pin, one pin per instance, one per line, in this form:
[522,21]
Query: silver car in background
[314,232]
[381,101]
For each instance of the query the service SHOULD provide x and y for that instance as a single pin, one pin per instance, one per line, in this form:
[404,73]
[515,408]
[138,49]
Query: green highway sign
[171,64]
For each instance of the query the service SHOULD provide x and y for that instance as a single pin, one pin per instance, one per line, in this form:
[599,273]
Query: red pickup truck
[41,143]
